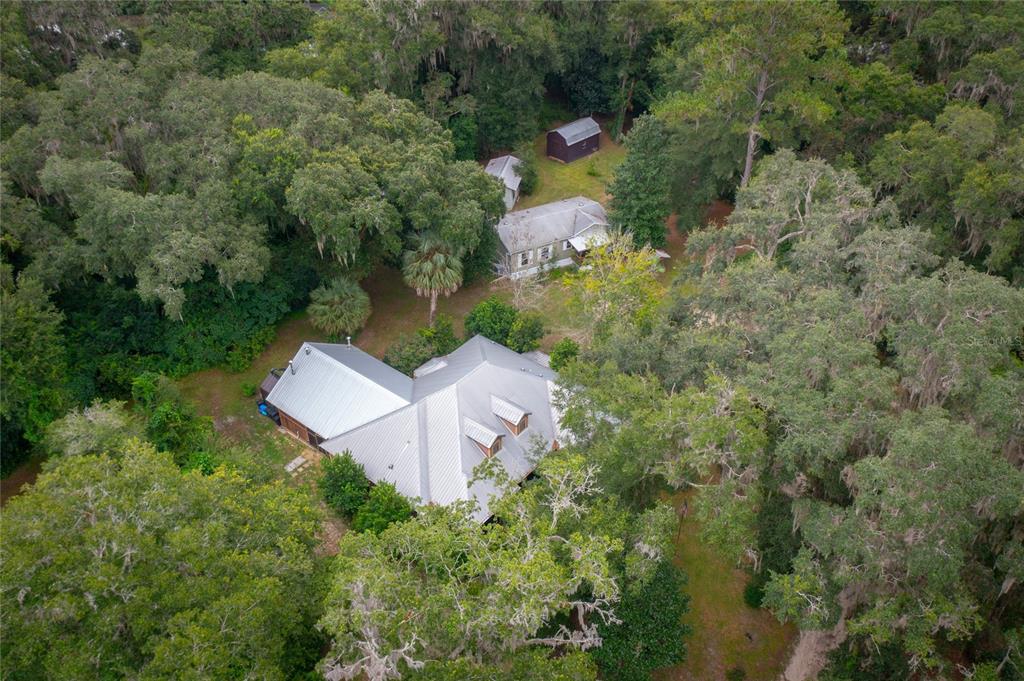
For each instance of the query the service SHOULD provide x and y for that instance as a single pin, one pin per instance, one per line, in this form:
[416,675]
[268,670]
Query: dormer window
[485,439]
[514,417]
[519,426]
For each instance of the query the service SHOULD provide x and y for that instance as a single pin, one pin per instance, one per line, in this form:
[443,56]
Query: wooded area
[833,377]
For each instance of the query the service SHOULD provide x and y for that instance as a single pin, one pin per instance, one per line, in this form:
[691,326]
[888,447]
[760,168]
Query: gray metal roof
[578,130]
[475,353]
[367,365]
[428,448]
[335,388]
[551,222]
[504,168]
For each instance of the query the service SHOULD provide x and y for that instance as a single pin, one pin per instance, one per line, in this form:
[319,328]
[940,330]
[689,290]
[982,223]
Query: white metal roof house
[424,434]
[549,236]
[504,168]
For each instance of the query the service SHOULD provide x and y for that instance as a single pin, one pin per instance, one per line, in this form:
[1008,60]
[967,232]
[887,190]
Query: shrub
[651,634]
[249,388]
[204,462]
[527,171]
[174,427]
[241,355]
[343,484]
[171,423]
[441,335]
[491,318]
[383,507]
[339,307]
[526,332]
[753,592]
[564,352]
[408,352]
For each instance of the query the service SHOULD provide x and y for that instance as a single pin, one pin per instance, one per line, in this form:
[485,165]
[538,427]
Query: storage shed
[504,168]
[574,140]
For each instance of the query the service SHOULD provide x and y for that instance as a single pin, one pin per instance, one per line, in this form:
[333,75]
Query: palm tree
[432,268]
[339,307]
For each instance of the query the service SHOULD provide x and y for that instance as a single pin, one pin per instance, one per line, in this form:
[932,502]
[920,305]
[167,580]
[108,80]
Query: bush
[753,592]
[340,307]
[243,353]
[383,507]
[408,352]
[526,332]
[652,633]
[249,388]
[527,171]
[204,462]
[343,484]
[171,423]
[491,318]
[564,352]
[440,335]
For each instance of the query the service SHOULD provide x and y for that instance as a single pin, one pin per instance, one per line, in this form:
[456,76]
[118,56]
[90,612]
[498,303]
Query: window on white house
[545,252]
[525,257]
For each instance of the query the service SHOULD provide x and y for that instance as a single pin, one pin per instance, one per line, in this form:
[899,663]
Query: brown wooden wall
[294,427]
[558,149]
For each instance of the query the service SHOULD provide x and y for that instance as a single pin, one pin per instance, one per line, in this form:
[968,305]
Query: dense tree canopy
[835,375]
[119,564]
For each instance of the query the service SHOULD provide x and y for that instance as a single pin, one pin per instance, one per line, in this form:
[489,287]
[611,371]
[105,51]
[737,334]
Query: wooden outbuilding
[574,140]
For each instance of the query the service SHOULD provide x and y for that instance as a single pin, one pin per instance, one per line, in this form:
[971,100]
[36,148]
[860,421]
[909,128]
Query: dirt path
[23,475]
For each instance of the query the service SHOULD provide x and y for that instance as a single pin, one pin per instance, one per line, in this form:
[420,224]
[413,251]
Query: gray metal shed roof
[548,223]
[579,130]
[504,168]
[335,388]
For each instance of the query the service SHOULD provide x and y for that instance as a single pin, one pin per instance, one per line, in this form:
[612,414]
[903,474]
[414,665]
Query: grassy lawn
[726,633]
[588,176]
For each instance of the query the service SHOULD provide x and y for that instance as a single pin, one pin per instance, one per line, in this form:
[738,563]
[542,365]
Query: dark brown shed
[574,140]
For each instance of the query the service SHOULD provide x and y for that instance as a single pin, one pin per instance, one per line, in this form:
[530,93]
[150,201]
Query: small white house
[504,168]
[552,235]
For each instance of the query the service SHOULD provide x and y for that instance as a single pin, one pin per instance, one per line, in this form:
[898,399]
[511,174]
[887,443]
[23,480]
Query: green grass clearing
[726,632]
[588,176]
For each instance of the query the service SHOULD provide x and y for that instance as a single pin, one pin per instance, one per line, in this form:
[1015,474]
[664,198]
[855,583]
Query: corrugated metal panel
[590,238]
[329,397]
[369,366]
[429,366]
[448,481]
[512,413]
[504,168]
[541,358]
[541,225]
[389,450]
[579,130]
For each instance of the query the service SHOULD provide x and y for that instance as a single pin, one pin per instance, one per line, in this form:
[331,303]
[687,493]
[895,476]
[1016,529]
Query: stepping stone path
[296,465]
